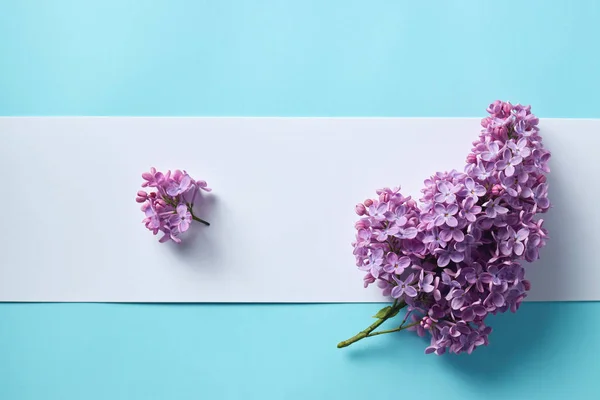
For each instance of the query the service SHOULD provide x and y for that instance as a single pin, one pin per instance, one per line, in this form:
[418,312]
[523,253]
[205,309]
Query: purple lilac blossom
[456,257]
[168,209]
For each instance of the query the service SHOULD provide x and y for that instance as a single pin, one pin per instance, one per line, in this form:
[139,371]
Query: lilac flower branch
[169,209]
[456,256]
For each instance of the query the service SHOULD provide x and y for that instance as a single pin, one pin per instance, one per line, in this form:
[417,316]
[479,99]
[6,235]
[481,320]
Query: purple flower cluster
[169,209]
[457,257]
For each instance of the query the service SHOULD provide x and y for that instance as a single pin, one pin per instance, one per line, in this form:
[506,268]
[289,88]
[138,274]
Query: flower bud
[360,209]
[541,179]
[471,158]
[140,199]
[384,197]
[368,203]
[501,133]
[497,190]
[361,224]
[368,279]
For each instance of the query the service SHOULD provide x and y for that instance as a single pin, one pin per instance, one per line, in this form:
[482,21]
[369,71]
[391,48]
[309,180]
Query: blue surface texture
[292,58]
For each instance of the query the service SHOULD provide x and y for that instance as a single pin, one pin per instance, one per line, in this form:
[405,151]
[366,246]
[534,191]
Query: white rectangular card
[281,213]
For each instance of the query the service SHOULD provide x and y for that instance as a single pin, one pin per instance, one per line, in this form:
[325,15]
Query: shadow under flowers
[517,340]
[198,245]
[517,343]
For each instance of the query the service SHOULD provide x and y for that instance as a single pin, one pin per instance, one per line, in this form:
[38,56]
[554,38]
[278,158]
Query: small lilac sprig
[169,209]
[456,259]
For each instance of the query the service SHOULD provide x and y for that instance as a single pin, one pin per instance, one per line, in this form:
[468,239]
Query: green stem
[189,207]
[191,210]
[200,220]
[369,331]
[398,329]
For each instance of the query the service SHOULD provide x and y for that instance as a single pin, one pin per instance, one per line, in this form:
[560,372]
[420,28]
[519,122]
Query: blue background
[292,58]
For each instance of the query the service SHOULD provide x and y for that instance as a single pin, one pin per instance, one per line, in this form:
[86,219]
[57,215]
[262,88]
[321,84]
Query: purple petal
[526,192]
[173,189]
[497,299]
[523,177]
[375,271]
[392,258]
[479,310]
[505,248]
[184,225]
[389,268]
[468,315]
[445,235]
[443,259]
[427,288]
[185,183]
[404,262]
[439,220]
[456,256]
[501,210]
[543,202]
[409,233]
[397,292]
[469,183]
[522,234]
[440,198]
[486,277]
[457,303]
[203,185]
[509,170]
[381,235]
[410,291]
[443,187]
[393,230]
[458,235]
[519,248]
[439,209]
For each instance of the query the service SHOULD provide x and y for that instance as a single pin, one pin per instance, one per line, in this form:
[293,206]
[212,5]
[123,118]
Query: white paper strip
[282,210]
